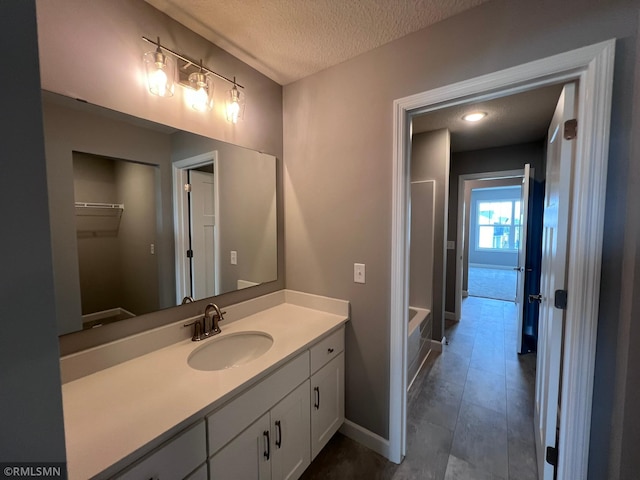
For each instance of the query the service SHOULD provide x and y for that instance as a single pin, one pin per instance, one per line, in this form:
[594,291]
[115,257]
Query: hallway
[470,410]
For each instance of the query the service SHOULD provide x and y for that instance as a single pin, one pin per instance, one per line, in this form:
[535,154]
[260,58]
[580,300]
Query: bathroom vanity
[267,416]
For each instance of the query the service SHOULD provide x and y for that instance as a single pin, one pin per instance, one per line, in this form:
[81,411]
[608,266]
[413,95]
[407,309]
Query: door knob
[518,269]
[535,298]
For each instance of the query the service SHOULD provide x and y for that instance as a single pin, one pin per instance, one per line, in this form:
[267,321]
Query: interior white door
[203,223]
[522,250]
[560,157]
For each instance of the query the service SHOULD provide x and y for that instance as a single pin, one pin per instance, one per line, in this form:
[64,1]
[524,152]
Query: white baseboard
[465,293]
[365,437]
[450,316]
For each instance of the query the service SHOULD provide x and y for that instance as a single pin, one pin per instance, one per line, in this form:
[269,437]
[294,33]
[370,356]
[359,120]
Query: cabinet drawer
[224,424]
[327,349]
[175,459]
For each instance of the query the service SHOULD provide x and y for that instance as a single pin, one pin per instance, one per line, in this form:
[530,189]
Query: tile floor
[470,410]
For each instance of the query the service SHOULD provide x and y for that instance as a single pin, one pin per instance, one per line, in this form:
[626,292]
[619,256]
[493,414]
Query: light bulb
[160,71]
[158,82]
[201,92]
[233,109]
[200,99]
[235,104]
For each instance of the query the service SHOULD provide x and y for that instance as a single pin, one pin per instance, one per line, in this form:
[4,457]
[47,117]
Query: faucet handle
[197,329]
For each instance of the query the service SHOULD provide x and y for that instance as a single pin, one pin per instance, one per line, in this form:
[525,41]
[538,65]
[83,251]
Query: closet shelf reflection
[98,219]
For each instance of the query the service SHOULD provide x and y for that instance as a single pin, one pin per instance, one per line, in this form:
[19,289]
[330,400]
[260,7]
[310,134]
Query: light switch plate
[358,273]
[234,257]
[451,245]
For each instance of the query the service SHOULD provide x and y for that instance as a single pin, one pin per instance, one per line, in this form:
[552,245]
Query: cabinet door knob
[316,403]
[330,350]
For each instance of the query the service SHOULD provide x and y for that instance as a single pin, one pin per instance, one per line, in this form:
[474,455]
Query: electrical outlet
[152,249]
[358,273]
[234,257]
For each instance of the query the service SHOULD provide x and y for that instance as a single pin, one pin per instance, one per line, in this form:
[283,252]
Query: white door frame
[462,179]
[181,219]
[592,67]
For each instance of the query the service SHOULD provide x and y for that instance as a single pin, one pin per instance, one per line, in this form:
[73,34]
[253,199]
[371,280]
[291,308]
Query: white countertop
[111,414]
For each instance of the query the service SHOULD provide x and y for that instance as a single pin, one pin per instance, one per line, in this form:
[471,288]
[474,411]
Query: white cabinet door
[199,474]
[327,397]
[175,459]
[290,435]
[246,457]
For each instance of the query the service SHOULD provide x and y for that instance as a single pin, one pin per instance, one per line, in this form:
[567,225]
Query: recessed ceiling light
[474,117]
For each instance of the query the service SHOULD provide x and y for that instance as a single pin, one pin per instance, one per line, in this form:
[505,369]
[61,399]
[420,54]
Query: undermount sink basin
[230,351]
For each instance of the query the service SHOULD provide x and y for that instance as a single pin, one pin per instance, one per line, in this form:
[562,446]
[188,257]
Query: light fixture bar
[192,62]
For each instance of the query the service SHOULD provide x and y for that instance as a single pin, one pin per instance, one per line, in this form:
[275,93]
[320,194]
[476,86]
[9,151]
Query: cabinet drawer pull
[278,434]
[316,403]
[267,451]
[330,350]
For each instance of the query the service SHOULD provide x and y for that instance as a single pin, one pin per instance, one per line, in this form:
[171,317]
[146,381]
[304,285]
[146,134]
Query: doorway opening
[592,68]
[196,211]
[492,234]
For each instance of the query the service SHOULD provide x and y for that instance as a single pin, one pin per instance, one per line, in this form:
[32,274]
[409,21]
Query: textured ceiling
[290,39]
[520,118]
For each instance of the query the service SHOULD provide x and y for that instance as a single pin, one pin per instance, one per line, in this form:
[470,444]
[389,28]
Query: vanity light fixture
[201,93]
[161,72]
[474,117]
[193,75]
[235,103]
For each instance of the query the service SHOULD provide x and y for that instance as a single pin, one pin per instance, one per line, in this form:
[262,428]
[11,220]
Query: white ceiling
[288,40]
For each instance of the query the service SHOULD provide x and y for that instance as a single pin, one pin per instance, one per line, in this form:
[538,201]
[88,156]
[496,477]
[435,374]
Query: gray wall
[430,155]
[93,51]
[31,399]
[247,217]
[421,250]
[338,147]
[487,257]
[137,188]
[511,157]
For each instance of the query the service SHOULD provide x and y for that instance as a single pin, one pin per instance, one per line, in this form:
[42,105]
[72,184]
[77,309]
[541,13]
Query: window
[498,225]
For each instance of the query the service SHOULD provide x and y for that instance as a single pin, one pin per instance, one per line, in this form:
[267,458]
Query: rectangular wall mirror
[144,215]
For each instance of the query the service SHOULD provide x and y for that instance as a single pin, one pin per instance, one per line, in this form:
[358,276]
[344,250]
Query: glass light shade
[235,105]
[201,92]
[161,73]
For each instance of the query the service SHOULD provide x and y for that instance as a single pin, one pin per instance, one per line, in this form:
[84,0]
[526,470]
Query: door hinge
[189,253]
[187,187]
[560,299]
[552,456]
[570,129]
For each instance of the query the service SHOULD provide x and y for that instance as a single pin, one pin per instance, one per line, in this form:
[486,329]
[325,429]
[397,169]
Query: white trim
[181,218]
[451,316]
[365,437]
[592,66]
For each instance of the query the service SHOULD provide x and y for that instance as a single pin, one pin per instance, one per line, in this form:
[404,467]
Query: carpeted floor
[492,283]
